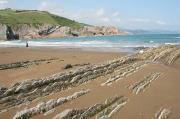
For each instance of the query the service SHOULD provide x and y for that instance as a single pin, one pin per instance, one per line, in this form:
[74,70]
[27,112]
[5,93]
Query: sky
[125,14]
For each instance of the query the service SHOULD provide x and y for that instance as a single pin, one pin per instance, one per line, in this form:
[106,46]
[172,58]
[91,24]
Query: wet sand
[62,56]
[161,93]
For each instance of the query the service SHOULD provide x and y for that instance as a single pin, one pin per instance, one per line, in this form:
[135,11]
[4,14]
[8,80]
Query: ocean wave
[71,44]
[172,43]
[11,43]
[79,44]
[178,37]
[103,42]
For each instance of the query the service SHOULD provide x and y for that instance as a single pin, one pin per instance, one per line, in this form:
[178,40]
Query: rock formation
[25,63]
[3,32]
[29,90]
[25,31]
[168,54]
[163,113]
[142,84]
[10,34]
[46,106]
[99,31]
[101,110]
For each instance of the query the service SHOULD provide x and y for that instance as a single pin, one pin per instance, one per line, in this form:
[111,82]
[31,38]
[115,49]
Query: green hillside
[35,18]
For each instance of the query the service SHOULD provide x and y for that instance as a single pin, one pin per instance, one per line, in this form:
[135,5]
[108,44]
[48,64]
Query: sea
[117,43]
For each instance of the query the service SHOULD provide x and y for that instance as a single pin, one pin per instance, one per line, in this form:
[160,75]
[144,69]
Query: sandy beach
[61,56]
[105,59]
[149,89]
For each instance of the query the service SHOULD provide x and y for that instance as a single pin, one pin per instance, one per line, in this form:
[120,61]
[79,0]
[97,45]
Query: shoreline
[115,43]
[85,49]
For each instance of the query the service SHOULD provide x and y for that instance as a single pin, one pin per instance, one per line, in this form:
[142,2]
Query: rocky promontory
[30,24]
[53,31]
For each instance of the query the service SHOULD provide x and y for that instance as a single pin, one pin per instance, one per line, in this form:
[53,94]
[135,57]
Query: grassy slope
[33,17]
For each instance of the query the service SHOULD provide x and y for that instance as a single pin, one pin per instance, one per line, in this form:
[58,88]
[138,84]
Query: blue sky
[130,14]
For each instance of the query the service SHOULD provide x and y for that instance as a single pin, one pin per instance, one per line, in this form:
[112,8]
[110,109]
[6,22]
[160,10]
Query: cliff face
[3,32]
[53,31]
[99,31]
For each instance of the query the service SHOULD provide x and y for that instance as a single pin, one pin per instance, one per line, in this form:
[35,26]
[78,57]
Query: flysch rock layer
[25,63]
[47,106]
[100,110]
[163,113]
[31,89]
[168,54]
[142,84]
[124,71]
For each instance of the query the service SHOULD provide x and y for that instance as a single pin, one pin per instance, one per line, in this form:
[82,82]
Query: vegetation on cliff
[35,18]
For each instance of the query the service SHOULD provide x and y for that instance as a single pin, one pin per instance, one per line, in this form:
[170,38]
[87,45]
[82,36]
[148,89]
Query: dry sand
[161,93]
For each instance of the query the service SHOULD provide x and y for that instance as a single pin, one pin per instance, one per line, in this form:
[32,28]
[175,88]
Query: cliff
[28,24]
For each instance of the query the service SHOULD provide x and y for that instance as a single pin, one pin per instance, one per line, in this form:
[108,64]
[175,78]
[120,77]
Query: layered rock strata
[25,63]
[163,113]
[46,106]
[167,54]
[31,89]
[142,84]
[101,110]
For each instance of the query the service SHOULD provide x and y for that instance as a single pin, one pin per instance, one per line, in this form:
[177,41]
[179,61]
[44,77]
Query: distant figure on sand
[27,45]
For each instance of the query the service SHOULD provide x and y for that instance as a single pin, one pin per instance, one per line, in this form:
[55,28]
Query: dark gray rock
[68,66]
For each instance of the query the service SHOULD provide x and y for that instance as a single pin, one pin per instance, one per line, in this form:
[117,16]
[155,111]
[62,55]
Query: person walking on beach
[27,45]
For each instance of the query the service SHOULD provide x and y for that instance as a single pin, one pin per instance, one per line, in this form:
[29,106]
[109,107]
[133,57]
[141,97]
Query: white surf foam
[17,43]
[93,44]
[172,43]
[71,44]
[78,44]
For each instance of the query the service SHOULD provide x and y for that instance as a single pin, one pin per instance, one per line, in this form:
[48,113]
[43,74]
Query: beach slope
[66,84]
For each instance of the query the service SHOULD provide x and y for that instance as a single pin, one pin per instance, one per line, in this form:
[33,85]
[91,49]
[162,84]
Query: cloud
[115,14]
[105,19]
[161,22]
[142,20]
[100,12]
[147,21]
[3,4]
[43,5]
[50,6]
[94,17]
[99,16]
[117,20]
[3,1]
